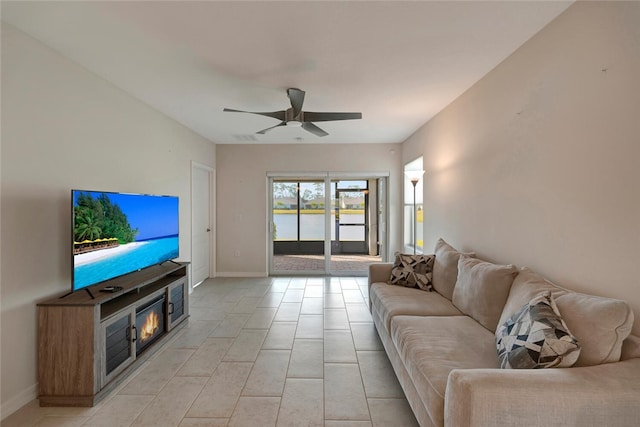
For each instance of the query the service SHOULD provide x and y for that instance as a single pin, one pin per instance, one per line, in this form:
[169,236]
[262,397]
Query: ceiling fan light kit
[295,117]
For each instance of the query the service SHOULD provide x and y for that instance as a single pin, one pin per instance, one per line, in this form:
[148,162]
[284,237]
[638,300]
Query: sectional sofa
[491,345]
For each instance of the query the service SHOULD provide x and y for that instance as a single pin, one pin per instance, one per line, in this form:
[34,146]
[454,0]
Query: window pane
[413,221]
[285,210]
[408,229]
[351,233]
[311,226]
[357,184]
[419,227]
[352,207]
[312,210]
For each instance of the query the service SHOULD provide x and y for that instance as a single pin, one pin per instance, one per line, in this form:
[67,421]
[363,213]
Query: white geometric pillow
[536,337]
[414,271]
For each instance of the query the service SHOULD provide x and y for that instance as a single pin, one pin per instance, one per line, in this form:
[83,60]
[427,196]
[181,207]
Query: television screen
[117,233]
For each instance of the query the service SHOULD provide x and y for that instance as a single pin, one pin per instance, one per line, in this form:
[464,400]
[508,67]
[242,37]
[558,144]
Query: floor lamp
[414,176]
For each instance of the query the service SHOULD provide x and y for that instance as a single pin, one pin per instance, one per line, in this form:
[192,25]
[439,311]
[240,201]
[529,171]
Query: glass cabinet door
[118,348]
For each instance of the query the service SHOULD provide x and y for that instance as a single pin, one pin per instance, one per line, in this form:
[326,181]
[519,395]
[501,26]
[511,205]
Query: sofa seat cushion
[431,347]
[388,301]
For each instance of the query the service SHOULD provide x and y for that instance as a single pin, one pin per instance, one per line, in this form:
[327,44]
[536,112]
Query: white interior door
[201,230]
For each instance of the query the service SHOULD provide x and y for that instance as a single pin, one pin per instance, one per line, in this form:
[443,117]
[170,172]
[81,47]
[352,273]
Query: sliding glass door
[324,225]
[350,202]
[298,225]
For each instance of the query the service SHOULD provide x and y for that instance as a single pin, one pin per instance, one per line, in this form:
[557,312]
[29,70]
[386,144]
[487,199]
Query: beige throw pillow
[600,324]
[482,289]
[445,268]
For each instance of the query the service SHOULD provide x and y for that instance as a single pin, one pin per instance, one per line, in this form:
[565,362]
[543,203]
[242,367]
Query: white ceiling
[399,63]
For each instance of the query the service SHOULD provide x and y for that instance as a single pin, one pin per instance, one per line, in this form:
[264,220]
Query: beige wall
[537,164]
[241,193]
[64,128]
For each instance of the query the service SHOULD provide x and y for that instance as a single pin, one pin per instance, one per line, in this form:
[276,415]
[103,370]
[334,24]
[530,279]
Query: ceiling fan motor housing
[289,116]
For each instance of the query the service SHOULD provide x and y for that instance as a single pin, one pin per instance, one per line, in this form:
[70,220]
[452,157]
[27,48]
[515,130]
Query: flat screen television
[118,233]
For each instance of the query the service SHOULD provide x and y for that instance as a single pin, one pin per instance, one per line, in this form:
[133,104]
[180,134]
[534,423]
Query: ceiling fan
[294,116]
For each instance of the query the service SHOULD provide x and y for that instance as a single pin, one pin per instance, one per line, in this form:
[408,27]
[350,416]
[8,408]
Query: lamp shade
[414,175]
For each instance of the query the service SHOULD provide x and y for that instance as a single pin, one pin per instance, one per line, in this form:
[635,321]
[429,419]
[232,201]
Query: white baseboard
[236,274]
[12,405]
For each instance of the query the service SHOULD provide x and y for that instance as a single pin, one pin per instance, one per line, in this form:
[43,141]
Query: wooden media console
[87,346]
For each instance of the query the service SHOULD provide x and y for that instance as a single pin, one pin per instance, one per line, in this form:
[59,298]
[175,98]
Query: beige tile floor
[257,352]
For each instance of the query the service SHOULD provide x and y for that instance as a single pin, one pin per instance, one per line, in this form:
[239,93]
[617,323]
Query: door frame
[212,219]
[339,247]
[327,177]
[292,176]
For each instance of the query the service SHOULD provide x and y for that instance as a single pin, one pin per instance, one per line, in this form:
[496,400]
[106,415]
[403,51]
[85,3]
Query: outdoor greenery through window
[299,207]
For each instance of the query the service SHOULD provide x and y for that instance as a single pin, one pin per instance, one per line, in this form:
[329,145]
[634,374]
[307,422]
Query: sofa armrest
[630,347]
[378,272]
[603,395]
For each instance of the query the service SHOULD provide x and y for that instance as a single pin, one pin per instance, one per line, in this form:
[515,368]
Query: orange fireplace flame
[150,327]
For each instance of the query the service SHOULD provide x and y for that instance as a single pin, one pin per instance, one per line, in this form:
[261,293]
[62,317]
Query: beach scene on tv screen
[115,234]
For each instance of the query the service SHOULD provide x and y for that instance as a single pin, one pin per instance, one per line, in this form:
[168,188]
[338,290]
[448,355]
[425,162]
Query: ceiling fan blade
[296,96]
[327,117]
[263,131]
[308,126]
[280,115]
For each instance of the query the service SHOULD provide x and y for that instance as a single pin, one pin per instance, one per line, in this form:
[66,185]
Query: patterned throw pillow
[414,271]
[536,337]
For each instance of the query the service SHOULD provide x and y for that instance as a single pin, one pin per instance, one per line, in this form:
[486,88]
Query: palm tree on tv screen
[99,218]
[86,227]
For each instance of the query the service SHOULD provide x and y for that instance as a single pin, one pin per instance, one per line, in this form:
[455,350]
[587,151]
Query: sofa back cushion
[482,289]
[599,324]
[445,268]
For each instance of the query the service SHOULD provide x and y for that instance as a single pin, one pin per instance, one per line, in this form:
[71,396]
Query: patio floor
[339,263]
